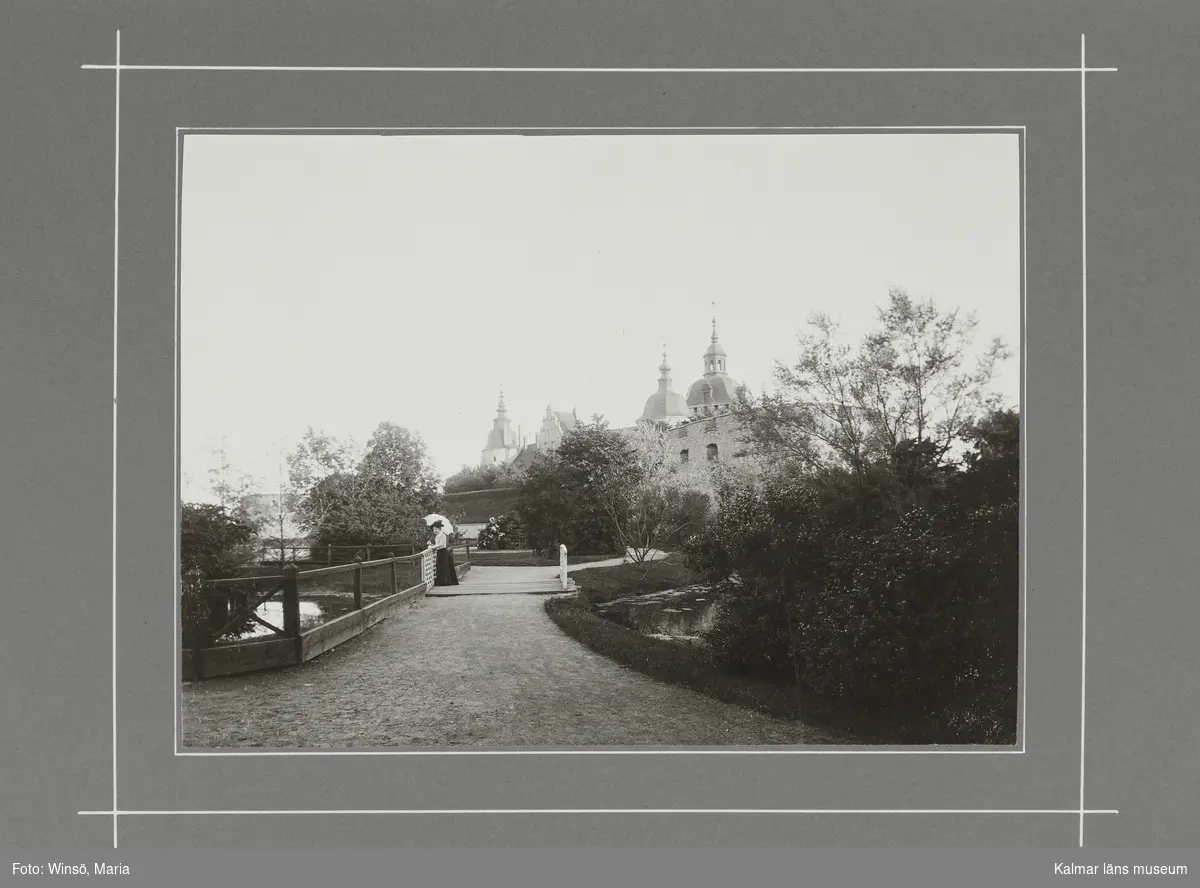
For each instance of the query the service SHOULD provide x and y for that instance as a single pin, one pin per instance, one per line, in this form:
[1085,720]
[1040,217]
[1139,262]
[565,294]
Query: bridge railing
[338,555]
[258,622]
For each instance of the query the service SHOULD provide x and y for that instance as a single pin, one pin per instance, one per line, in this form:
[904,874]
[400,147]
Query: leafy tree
[488,477]
[906,386]
[562,497]
[656,502]
[382,498]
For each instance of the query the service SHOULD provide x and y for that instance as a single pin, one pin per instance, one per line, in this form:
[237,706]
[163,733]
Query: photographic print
[628,439]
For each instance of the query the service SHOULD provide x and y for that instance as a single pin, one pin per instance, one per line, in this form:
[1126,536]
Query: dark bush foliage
[213,545]
[560,500]
[897,588]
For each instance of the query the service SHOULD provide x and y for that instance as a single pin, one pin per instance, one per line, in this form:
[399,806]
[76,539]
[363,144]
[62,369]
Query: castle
[700,421]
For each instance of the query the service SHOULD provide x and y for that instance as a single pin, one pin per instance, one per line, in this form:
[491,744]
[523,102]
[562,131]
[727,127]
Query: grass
[686,666]
[680,665]
[526,558]
[603,584]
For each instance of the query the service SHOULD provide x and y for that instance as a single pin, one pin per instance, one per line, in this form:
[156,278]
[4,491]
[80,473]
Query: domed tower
[666,404]
[502,444]
[714,390]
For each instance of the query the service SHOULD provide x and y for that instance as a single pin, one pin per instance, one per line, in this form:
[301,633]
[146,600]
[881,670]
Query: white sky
[341,281]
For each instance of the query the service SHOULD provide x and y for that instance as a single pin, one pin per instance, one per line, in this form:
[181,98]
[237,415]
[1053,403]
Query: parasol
[434,518]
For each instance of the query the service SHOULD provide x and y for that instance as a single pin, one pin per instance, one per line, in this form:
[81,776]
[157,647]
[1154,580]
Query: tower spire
[714,320]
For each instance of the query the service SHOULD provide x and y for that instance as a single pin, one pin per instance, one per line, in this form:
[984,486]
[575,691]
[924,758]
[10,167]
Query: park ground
[486,669]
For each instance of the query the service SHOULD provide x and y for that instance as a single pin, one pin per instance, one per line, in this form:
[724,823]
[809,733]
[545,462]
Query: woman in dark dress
[444,572]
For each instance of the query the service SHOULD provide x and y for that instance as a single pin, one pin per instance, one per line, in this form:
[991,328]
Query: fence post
[329,555]
[368,558]
[562,565]
[291,610]
[199,643]
[395,587]
[358,583]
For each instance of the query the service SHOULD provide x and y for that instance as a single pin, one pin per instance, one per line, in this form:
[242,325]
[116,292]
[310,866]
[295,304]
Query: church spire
[500,408]
[714,355]
[664,372]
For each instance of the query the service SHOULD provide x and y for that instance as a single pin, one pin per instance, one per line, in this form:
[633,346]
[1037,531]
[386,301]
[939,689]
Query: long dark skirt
[445,574]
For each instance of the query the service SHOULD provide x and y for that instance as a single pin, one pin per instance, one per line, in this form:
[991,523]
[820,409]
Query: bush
[213,545]
[505,532]
[893,590]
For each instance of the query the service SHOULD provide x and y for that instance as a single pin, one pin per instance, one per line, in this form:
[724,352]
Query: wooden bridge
[237,638]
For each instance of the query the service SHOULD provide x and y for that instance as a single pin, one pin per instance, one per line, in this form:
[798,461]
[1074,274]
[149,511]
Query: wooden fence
[331,555]
[288,645]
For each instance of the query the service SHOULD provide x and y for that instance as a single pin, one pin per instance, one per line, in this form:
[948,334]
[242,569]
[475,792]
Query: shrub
[505,532]
[213,545]
[896,589]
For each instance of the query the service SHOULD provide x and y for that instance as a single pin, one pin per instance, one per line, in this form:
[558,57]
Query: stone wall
[721,430]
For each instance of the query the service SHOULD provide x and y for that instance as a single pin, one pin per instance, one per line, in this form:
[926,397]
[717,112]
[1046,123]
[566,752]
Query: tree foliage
[380,497]
[490,477]
[876,561]
[562,497]
[840,407]
[656,501]
[213,544]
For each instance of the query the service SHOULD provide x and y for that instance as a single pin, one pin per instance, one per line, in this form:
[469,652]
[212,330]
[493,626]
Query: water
[675,615]
[314,610]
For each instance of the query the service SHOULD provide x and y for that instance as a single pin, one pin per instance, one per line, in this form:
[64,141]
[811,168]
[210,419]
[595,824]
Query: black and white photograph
[521,440]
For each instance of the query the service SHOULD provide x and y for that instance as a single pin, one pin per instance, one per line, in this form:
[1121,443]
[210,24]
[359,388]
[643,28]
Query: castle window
[712,451]
[683,455]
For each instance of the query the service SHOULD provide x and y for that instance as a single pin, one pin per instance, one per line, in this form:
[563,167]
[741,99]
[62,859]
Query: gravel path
[488,670]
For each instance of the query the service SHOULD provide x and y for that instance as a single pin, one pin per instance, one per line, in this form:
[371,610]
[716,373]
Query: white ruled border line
[418,69]
[449,812]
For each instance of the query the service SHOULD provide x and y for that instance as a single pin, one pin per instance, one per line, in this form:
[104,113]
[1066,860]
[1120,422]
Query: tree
[230,490]
[487,477]
[562,496]
[922,352]
[655,501]
[902,399]
[317,460]
[381,499]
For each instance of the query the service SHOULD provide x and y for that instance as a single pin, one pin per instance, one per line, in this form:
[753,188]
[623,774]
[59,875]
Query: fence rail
[290,644]
[331,555]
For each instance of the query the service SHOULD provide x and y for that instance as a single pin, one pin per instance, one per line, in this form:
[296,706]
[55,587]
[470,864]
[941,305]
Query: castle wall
[722,429]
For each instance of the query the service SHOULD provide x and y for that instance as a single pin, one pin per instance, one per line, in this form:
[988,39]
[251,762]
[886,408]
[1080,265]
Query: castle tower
[666,404]
[714,390]
[502,444]
[555,424]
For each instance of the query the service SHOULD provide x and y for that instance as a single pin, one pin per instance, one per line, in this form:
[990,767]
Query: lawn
[526,558]
[601,584]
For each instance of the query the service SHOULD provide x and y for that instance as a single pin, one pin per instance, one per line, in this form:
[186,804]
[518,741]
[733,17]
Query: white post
[562,565]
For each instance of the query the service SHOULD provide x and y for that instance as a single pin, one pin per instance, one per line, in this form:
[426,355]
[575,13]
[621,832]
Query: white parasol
[434,518]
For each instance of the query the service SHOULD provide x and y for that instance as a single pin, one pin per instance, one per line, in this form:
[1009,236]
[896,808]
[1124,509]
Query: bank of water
[681,615]
[315,609]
